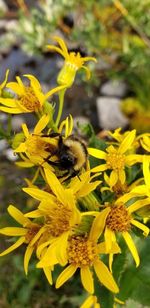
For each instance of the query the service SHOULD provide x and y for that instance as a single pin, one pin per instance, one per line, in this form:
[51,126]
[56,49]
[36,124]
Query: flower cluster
[88,198]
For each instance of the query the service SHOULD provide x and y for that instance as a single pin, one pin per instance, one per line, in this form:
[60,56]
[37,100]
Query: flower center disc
[29,100]
[115,161]
[81,251]
[118,219]
[58,220]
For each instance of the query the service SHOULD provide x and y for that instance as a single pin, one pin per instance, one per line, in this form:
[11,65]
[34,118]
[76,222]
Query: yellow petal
[99,168]
[87,279]
[34,81]
[25,130]
[11,110]
[42,123]
[21,148]
[56,186]
[98,224]
[114,248]
[14,86]
[36,193]
[34,214]
[61,248]
[113,178]
[53,91]
[141,226]
[67,273]
[27,257]
[3,84]
[127,142]
[88,72]
[133,159]
[146,171]
[97,153]
[13,231]
[111,257]
[110,238]
[48,274]
[24,164]
[105,276]
[138,205]
[127,237]
[18,215]
[19,242]
[49,258]
[37,236]
[88,303]
[122,176]
[62,44]
[8,102]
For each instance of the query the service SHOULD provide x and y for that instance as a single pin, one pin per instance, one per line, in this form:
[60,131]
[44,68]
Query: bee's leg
[64,174]
[72,175]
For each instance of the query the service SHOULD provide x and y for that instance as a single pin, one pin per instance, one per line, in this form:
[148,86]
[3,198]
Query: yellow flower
[36,147]
[26,233]
[83,253]
[118,188]
[29,98]
[141,191]
[3,84]
[73,62]
[58,207]
[120,220]
[117,158]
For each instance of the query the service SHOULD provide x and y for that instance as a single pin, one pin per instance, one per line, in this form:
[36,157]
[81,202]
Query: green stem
[61,104]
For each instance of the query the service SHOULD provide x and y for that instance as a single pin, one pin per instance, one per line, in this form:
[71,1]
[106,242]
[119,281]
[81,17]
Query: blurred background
[117,95]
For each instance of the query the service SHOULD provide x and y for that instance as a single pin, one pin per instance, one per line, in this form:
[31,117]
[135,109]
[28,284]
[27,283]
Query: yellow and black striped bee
[71,153]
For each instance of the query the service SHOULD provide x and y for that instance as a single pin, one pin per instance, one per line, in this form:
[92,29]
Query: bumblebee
[71,155]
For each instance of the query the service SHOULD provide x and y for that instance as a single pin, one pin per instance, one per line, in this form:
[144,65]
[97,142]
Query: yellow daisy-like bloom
[73,62]
[83,253]
[36,147]
[3,84]
[26,233]
[29,98]
[117,158]
[58,207]
[118,188]
[120,219]
[30,234]
[141,191]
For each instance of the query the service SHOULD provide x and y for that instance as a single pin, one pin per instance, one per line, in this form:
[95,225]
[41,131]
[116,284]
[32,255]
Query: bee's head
[67,160]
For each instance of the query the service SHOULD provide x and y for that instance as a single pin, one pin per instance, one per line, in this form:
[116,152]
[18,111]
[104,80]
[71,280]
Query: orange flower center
[115,161]
[29,100]
[82,251]
[58,219]
[119,219]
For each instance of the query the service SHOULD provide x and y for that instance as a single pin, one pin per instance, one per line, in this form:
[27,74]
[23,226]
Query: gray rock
[109,113]
[17,121]
[114,88]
